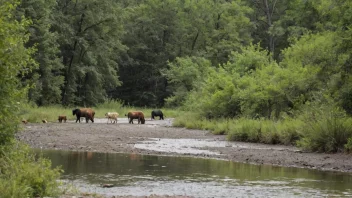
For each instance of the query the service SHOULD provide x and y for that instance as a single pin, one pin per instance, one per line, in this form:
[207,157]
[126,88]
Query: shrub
[329,133]
[245,130]
[348,145]
[24,175]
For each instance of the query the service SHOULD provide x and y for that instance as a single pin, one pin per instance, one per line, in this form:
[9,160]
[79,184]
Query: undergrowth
[25,175]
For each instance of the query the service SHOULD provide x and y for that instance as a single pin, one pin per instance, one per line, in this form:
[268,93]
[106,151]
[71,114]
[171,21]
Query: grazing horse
[62,118]
[88,113]
[136,115]
[159,113]
[112,116]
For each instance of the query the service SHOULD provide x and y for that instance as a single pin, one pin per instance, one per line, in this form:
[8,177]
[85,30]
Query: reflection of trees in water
[86,163]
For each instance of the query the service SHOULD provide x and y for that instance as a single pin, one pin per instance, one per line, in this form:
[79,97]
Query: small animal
[62,118]
[159,113]
[44,121]
[88,113]
[136,115]
[112,116]
[24,121]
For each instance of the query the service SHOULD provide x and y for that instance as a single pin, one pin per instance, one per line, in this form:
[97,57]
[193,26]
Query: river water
[143,175]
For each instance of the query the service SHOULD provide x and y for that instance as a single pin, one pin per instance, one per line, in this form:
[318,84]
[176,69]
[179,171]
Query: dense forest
[242,57]
[265,71]
[257,70]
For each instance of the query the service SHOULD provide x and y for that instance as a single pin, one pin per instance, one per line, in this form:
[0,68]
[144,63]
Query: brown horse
[136,115]
[88,113]
[62,118]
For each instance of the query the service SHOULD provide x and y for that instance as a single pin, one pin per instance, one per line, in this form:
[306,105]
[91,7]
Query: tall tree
[151,27]
[89,38]
[15,61]
[159,31]
[266,14]
[48,78]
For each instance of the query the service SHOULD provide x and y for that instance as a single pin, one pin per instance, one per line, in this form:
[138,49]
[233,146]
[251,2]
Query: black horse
[157,113]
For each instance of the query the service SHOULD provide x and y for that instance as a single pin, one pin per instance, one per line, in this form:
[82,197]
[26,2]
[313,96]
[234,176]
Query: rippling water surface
[142,175]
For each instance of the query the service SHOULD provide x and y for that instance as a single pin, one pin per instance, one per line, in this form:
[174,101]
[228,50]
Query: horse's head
[75,111]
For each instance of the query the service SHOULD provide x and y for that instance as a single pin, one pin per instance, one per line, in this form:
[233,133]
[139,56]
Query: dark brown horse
[136,115]
[88,113]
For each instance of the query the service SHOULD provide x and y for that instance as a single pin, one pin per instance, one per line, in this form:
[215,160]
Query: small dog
[24,121]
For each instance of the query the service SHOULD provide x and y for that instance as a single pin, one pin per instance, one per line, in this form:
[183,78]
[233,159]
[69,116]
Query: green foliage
[24,175]
[184,75]
[325,130]
[265,131]
[89,35]
[348,145]
[15,60]
[111,104]
[166,31]
[48,78]
[36,114]
[245,130]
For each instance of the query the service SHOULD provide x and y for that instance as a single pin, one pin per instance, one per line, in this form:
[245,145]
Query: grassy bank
[324,131]
[36,114]
[327,132]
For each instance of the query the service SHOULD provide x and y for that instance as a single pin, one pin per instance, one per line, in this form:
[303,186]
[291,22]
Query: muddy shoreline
[125,138]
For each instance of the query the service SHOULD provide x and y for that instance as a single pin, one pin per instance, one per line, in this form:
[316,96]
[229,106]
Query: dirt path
[159,138]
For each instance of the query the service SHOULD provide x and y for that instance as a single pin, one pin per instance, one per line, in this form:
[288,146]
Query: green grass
[35,114]
[247,130]
[327,134]
[323,132]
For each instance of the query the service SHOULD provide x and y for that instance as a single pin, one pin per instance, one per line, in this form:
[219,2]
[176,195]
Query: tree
[48,78]
[15,61]
[89,38]
[183,75]
[159,31]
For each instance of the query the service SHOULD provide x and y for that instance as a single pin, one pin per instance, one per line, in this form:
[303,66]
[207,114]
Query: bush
[245,130]
[348,146]
[23,175]
[329,133]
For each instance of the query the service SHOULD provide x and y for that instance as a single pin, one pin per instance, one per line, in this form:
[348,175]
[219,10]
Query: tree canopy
[250,58]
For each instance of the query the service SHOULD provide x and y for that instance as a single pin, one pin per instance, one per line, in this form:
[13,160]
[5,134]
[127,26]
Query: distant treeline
[223,58]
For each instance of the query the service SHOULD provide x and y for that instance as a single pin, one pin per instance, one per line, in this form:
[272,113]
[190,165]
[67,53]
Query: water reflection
[134,174]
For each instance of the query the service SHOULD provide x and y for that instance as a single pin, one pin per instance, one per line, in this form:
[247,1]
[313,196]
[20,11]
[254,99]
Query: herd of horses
[89,113]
